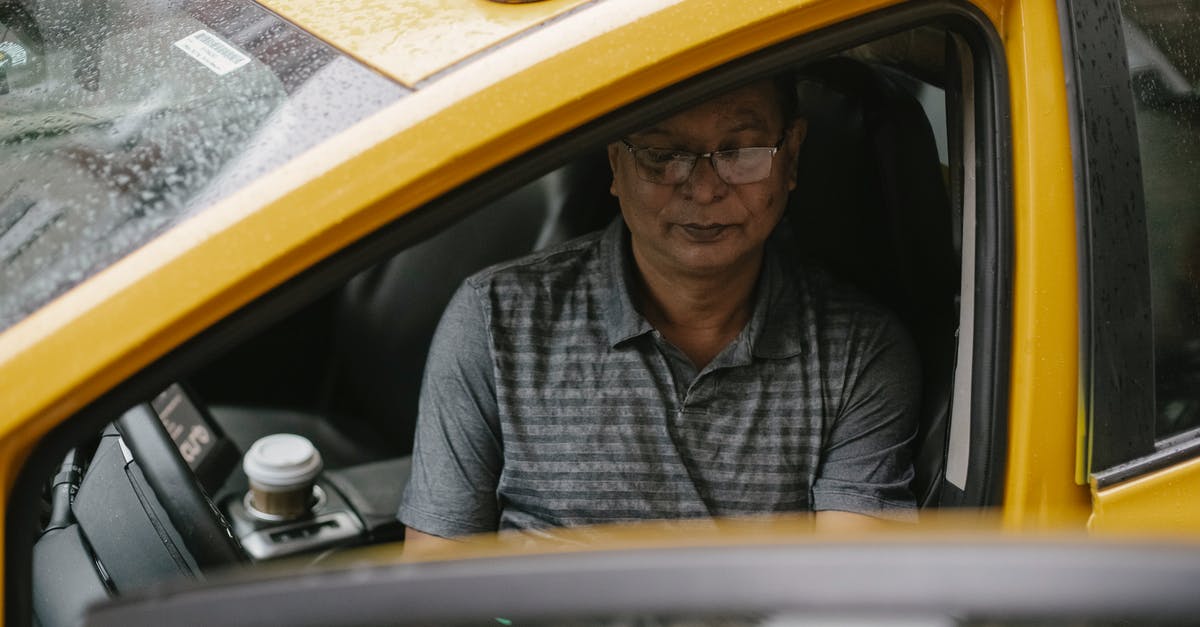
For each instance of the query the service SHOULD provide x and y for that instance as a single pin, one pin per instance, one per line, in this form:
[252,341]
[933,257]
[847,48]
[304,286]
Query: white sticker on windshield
[213,52]
[14,51]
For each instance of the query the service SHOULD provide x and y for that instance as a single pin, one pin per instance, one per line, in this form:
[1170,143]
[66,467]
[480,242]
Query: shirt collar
[775,327]
[622,319]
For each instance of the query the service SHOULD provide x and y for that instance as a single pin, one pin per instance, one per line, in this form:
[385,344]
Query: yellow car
[222,219]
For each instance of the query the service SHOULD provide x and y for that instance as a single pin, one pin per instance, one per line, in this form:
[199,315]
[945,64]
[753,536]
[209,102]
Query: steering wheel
[205,532]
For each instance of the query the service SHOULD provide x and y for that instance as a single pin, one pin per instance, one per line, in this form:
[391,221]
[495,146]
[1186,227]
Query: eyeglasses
[736,167]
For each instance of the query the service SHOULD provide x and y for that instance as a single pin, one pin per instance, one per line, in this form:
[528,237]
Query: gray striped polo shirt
[548,400]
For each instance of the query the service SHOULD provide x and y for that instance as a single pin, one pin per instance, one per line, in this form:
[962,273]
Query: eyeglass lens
[736,167]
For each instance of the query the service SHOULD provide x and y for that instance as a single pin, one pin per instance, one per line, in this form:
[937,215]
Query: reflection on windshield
[121,118]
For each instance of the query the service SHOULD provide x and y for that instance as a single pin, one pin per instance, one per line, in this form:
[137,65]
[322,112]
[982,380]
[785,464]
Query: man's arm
[866,464]
[836,521]
[457,454]
[420,544]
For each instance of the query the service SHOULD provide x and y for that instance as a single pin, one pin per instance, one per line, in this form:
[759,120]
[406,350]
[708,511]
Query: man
[678,364]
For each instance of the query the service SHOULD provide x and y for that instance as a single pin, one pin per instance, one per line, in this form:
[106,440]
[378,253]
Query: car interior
[891,237]
[879,203]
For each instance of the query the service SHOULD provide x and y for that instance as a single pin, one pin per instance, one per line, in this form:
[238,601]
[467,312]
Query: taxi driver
[678,364]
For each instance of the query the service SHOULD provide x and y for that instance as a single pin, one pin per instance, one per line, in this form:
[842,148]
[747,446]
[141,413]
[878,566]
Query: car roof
[411,40]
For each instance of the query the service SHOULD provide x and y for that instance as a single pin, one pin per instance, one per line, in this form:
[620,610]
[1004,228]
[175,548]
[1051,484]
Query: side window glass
[1164,61]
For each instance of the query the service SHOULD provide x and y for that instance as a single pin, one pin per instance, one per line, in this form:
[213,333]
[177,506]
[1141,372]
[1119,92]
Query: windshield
[120,118]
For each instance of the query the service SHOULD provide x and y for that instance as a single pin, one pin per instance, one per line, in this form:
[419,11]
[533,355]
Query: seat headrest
[870,203]
[871,206]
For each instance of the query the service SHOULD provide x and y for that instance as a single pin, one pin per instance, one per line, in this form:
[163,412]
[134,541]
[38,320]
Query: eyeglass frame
[710,155]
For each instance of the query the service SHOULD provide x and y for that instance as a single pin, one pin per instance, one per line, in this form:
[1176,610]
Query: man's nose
[704,185]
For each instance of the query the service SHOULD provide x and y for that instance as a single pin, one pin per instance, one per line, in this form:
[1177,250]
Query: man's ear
[800,131]
[795,139]
[614,155]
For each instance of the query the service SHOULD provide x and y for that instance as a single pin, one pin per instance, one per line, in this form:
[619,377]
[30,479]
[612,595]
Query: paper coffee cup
[282,469]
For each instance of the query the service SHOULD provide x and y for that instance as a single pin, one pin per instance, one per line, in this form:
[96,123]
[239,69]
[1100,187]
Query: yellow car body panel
[1162,502]
[1041,488]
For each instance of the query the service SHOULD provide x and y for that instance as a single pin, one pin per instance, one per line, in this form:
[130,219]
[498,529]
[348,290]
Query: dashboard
[161,495]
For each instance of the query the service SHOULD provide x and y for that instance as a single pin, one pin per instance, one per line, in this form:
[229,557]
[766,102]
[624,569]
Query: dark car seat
[383,320]
[871,206]
[387,315]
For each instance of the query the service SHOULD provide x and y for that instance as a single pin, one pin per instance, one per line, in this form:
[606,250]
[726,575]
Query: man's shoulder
[841,316]
[568,260]
[830,296]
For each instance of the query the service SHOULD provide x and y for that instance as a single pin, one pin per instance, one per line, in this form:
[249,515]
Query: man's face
[705,225]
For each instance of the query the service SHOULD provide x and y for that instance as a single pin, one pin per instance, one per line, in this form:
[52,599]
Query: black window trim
[1117,368]
[1171,450]
[992,281]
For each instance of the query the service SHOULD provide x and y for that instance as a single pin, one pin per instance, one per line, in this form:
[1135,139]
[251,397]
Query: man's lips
[703,232]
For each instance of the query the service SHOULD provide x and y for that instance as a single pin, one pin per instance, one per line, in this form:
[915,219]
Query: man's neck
[700,315]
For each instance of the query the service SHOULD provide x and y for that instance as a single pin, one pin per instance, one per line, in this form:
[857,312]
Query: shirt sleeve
[866,461]
[457,455]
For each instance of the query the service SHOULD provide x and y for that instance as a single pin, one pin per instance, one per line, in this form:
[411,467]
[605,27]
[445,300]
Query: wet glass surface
[120,119]
[1164,58]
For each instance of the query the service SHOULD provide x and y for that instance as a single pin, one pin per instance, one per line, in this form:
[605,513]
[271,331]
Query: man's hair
[789,101]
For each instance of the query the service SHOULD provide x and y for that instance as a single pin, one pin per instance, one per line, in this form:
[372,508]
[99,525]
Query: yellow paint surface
[1162,502]
[411,39]
[1041,489]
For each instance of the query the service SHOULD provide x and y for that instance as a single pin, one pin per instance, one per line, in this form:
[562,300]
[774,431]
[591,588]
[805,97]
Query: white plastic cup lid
[283,461]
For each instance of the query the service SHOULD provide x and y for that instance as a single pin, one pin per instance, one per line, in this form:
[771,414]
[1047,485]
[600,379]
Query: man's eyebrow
[755,123]
[750,120]
[653,130]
